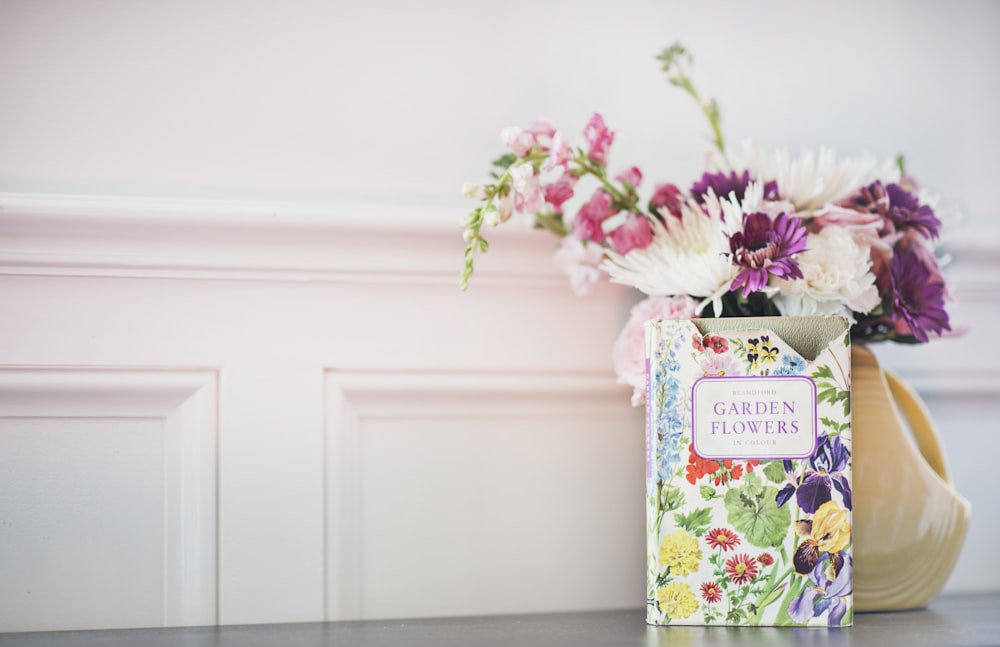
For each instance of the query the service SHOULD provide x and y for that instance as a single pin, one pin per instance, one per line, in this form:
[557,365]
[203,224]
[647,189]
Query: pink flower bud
[517,140]
[529,196]
[542,132]
[560,153]
[599,137]
[587,225]
[560,191]
[632,176]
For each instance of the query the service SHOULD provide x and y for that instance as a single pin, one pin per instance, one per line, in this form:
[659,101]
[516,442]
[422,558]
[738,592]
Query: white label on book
[765,418]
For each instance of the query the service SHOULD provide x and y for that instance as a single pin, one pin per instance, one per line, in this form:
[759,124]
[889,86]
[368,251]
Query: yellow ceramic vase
[909,522]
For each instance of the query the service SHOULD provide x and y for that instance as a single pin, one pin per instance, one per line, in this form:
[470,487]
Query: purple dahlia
[766,247]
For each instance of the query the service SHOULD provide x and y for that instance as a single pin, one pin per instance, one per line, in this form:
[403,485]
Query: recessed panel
[464,516]
[81,523]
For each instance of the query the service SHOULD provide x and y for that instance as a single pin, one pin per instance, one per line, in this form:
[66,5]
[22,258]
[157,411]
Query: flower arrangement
[762,233]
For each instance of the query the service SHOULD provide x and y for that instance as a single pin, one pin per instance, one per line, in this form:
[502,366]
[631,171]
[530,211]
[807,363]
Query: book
[748,471]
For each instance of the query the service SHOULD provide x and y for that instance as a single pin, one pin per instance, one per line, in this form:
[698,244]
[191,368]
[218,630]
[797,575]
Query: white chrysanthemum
[813,180]
[687,255]
[837,277]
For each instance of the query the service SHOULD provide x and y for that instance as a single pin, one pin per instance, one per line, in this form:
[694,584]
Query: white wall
[398,101]
[319,422]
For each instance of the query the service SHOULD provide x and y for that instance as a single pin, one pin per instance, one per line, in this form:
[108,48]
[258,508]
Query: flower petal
[842,485]
[801,609]
[814,492]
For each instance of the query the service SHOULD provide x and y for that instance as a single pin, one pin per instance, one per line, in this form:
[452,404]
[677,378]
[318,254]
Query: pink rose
[635,233]
[599,138]
[629,352]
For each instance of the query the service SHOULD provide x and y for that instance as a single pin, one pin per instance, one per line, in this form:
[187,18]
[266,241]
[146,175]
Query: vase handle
[919,420]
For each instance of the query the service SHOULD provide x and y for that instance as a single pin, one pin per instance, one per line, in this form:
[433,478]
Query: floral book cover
[748,471]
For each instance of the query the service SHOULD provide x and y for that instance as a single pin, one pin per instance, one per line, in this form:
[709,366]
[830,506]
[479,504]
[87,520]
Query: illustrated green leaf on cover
[753,512]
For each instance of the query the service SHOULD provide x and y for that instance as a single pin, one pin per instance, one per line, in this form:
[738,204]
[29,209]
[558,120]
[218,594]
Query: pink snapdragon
[529,196]
[632,176]
[542,133]
[560,191]
[634,233]
[560,154]
[589,220]
[599,137]
[517,140]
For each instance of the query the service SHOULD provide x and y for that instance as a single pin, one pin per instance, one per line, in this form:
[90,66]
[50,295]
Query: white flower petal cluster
[815,179]
[837,277]
[688,255]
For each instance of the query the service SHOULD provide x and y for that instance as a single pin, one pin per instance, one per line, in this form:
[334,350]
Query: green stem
[476,243]
[552,224]
[627,202]
[770,587]
[674,59]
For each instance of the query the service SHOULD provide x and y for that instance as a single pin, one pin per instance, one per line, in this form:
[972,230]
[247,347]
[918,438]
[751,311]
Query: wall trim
[54,235]
[118,236]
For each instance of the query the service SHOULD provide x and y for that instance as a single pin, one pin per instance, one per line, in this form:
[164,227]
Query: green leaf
[775,471]
[753,484]
[671,498]
[833,425]
[707,492]
[823,372]
[505,160]
[753,512]
[697,522]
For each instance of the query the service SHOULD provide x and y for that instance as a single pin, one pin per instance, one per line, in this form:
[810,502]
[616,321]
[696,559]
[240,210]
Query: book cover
[748,471]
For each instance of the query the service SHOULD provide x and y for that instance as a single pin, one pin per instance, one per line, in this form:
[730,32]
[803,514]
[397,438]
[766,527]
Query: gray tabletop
[951,621]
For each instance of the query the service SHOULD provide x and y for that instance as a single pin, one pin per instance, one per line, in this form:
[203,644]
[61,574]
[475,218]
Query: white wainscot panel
[107,498]
[482,494]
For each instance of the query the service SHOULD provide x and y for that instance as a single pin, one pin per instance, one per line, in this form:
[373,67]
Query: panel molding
[186,402]
[52,235]
[352,398]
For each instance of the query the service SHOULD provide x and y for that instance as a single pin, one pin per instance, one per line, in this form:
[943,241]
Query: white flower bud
[473,190]
[506,207]
[492,218]
[468,235]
